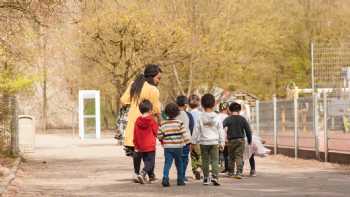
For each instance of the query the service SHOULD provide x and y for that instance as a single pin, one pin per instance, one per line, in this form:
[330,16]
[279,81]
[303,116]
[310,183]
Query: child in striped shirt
[173,137]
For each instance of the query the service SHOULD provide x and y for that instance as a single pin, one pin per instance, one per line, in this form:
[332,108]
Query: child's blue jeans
[185,154]
[171,154]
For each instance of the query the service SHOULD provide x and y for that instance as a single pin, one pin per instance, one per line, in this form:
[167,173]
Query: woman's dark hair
[223,106]
[151,70]
[208,101]
[194,101]
[145,106]
[235,107]
[181,101]
[172,110]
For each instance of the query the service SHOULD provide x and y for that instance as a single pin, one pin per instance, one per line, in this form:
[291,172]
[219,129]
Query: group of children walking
[199,133]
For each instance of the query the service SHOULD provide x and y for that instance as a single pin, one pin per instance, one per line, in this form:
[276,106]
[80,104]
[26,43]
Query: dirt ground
[66,166]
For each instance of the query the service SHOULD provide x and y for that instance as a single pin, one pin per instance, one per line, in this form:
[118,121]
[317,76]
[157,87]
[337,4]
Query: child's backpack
[191,121]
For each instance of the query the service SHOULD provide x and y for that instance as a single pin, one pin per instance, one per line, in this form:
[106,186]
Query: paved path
[62,166]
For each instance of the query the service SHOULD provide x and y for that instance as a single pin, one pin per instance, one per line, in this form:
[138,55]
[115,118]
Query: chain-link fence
[295,125]
[8,124]
[306,138]
[263,122]
[338,125]
[330,62]
[319,122]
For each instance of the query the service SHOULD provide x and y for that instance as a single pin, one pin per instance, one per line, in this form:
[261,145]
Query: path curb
[10,177]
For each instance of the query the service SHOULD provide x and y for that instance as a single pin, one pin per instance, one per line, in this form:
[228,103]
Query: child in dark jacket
[145,135]
[237,129]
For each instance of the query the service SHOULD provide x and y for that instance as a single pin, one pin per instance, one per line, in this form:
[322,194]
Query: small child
[145,135]
[173,136]
[196,159]
[209,134]
[237,129]
[255,149]
[223,114]
[187,119]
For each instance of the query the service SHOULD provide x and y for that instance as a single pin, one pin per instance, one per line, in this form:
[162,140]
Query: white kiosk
[86,116]
[26,133]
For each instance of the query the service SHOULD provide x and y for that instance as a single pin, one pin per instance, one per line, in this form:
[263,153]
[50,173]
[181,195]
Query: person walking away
[187,119]
[223,114]
[173,137]
[237,129]
[145,135]
[196,160]
[209,133]
[143,87]
[257,148]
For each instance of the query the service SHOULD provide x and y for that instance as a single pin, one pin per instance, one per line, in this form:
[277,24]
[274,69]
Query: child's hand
[221,147]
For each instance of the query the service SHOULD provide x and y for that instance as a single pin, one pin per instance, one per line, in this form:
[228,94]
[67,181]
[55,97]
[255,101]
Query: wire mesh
[332,70]
[306,136]
[329,62]
[266,121]
[285,123]
[338,124]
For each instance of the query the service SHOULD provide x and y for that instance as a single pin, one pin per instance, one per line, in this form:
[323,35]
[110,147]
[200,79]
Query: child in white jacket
[209,133]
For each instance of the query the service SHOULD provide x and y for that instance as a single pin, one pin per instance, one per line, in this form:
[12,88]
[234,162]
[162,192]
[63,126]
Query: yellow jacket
[148,92]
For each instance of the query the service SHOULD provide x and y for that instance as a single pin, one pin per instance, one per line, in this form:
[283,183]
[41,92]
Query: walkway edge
[11,176]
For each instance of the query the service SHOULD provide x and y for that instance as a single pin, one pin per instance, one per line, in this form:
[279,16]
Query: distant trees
[229,43]
[258,46]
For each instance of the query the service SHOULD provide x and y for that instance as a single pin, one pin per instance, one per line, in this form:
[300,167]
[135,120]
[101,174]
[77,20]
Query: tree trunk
[14,126]
[44,86]
[176,75]
[190,78]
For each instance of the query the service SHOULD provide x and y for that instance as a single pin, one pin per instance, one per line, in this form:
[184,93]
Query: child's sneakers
[134,178]
[165,182]
[152,178]
[181,183]
[252,173]
[238,176]
[215,181]
[140,179]
[206,181]
[186,180]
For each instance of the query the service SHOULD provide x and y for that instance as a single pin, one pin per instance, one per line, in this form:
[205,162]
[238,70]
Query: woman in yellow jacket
[144,87]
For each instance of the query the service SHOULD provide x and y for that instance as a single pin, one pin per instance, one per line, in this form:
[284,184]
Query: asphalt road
[66,166]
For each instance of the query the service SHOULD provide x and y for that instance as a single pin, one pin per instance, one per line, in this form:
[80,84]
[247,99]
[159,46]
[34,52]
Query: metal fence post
[296,137]
[257,116]
[316,127]
[325,118]
[315,103]
[274,124]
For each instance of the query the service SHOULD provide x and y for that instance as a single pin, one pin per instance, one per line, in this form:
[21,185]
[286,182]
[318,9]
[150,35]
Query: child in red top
[145,134]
